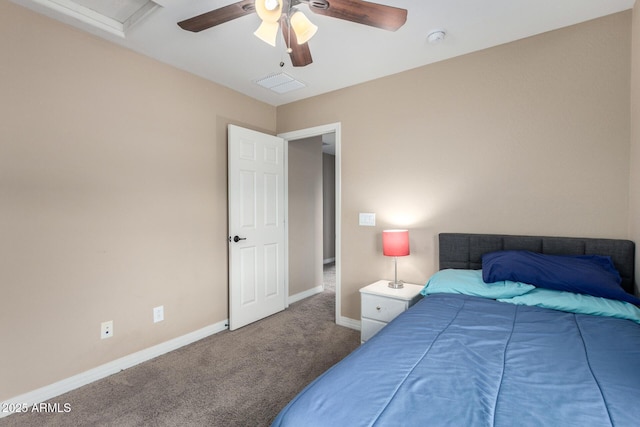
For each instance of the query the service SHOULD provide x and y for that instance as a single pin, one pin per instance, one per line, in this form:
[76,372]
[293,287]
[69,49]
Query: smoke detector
[436,36]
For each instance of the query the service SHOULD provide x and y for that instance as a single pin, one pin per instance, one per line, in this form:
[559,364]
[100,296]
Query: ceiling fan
[282,12]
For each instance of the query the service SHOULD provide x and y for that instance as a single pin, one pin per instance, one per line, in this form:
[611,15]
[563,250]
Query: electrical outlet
[106,329]
[158,314]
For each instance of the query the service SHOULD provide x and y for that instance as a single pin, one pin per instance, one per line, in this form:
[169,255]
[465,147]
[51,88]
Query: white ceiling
[344,53]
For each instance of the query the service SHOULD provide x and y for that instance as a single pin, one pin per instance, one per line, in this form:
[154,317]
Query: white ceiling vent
[280,83]
[114,16]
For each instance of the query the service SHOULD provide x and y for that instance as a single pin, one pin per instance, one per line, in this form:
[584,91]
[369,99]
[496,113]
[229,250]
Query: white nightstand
[380,304]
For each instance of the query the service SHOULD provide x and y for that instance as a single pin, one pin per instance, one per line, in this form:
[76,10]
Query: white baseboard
[349,323]
[306,294]
[56,389]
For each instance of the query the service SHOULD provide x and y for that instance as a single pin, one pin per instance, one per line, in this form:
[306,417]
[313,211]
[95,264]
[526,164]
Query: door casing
[307,133]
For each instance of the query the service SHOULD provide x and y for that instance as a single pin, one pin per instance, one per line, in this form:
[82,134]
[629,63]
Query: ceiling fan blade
[362,12]
[218,16]
[300,54]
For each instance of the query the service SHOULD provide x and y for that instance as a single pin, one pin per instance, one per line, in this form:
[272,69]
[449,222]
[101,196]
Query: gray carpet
[239,378]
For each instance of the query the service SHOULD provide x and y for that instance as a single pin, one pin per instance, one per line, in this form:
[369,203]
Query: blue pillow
[577,303]
[469,282]
[583,274]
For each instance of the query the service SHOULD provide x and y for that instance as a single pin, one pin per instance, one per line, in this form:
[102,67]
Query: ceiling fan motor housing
[319,4]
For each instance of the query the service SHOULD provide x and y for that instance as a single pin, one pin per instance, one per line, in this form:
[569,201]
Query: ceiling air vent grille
[280,83]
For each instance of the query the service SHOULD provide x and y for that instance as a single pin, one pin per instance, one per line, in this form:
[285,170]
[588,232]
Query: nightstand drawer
[381,308]
[370,328]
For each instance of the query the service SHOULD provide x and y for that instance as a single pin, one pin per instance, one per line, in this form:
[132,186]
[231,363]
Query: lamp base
[397,285]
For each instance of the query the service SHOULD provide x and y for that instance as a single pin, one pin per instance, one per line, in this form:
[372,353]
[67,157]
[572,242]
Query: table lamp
[395,243]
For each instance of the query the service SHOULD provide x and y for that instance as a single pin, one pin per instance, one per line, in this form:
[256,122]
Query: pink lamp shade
[395,242]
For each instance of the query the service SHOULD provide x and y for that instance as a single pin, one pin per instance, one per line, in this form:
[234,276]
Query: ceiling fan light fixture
[271,4]
[303,28]
[269,10]
[268,32]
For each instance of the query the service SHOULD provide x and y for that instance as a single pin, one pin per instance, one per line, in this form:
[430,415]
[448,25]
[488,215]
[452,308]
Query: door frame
[308,133]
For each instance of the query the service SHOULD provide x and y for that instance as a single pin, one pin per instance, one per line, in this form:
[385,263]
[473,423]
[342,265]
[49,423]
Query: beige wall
[530,137]
[112,199]
[305,214]
[328,206]
[634,187]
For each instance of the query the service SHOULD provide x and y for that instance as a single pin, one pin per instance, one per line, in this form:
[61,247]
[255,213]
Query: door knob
[238,238]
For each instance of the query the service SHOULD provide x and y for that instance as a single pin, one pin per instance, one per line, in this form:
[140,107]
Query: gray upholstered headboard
[458,250]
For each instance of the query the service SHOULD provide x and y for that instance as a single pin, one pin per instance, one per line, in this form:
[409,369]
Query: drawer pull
[378,308]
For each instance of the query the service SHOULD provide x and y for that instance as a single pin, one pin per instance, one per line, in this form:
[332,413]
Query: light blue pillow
[469,282]
[577,303]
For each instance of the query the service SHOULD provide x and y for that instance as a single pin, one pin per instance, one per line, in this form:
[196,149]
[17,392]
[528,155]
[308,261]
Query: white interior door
[256,226]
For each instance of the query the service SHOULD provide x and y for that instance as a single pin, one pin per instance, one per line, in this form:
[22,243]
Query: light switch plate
[367,219]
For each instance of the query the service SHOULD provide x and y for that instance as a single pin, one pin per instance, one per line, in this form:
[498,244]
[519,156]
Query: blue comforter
[457,360]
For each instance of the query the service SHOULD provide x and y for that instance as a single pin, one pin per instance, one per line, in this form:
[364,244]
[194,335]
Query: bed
[461,357]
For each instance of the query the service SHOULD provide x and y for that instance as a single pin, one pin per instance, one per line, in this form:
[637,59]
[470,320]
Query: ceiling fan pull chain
[282,57]
[289,50]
